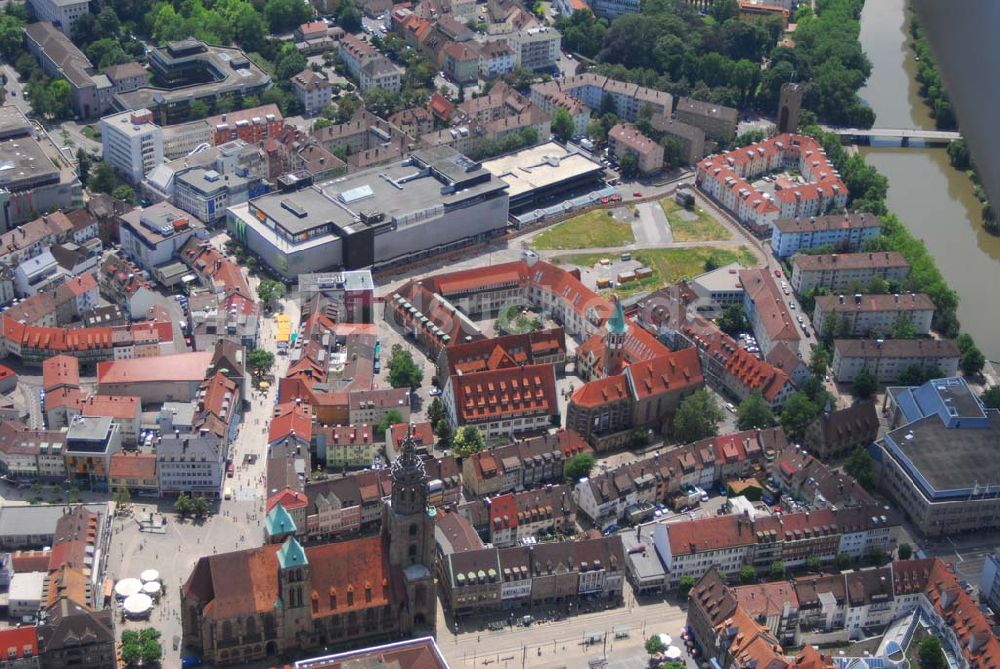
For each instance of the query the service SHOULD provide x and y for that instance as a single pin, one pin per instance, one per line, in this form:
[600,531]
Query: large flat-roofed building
[542,172]
[938,460]
[30,181]
[872,315]
[792,235]
[435,201]
[59,57]
[888,358]
[166,378]
[847,271]
[190,70]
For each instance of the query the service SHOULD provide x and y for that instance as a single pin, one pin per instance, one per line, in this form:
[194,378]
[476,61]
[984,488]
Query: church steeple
[614,339]
[409,481]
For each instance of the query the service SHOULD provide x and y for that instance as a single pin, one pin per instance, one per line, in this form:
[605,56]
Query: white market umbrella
[673,653]
[138,604]
[152,588]
[149,575]
[127,587]
[665,639]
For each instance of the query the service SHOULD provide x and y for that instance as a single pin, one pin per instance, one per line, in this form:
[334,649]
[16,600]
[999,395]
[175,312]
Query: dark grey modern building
[433,201]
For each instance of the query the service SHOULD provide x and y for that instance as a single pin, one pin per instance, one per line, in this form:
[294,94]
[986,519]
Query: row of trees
[699,415]
[141,646]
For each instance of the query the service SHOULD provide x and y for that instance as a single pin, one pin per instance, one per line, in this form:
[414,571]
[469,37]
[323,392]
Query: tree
[991,397]
[183,505]
[11,37]
[820,362]
[972,361]
[403,371]
[289,63]
[321,123]
[578,466]
[733,320]
[861,466]
[777,570]
[754,412]
[269,290]
[865,383]
[844,561]
[684,585]
[562,124]
[435,411]
[917,375]
[444,433]
[260,360]
[348,17]
[630,165]
[124,193]
[197,110]
[903,328]
[931,653]
[654,645]
[122,498]
[131,652]
[83,163]
[813,564]
[697,417]
[200,507]
[284,15]
[905,551]
[103,179]
[798,413]
[391,418]
[748,574]
[467,440]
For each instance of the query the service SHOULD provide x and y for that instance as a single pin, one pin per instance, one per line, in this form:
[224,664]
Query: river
[933,200]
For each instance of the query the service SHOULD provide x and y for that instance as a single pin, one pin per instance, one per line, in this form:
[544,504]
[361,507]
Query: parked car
[777,273]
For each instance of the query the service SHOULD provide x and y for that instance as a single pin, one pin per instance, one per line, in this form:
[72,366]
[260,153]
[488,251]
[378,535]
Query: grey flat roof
[397,190]
[23,161]
[182,413]
[37,519]
[723,278]
[161,213]
[88,428]
[198,179]
[645,565]
[13,122]
[540,166]
[951,459]
[335,281]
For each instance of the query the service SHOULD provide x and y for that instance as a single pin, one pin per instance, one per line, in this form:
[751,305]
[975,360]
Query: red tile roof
[118,407]
[664,373]
[756,374]
[503,512]
[288,498]
[177,367]
[604,390]
[521,391]
[60,370]
[771,308]
[423,433]
[291,418]
[18,642]
[133,466]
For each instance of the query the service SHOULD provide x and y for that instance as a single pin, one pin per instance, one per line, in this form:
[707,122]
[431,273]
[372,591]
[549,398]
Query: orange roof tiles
[756,374]
[288,498]
[291,418]
[673,371]
[140,466]
[60,370]
[520,391]
[164,368]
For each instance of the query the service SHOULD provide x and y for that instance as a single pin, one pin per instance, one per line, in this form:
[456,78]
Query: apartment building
[612,9]
[91,92]
[132,144]
[625,139]
[368,66]
[765,307]
[154,236]
[836,433]
[346,446]
[862,315]
[727,543]
[850,272]
[934,461]
[312,90]
[690,137]
[536,48]
[888,358]
[91,441]
[849,231]
[718,121]
[496,59]
[522,465]
[461,62]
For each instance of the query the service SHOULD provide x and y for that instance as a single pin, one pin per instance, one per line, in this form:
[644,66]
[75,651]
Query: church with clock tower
[285,598]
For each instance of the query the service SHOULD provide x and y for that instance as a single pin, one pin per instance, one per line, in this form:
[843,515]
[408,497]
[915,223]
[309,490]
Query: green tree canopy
[285,15]
[11,37]
[269,290]
[798,413]
[777,570]
[861,466]
[697,417]
[435,411]
[654,645]
[905,551]
[684,585]
[734,321]
[972,361]
[844,561]
[562,124]
[991,397]
[748,574]
[754,412]
[102,178]
[578,466]
[392,417]
[931,653]
[444,433]
[467,440]
[403,371]
[260,360]
[630,165]
[865,383]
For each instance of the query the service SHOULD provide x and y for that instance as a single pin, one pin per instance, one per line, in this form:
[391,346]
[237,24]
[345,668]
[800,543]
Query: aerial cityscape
[430,334]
